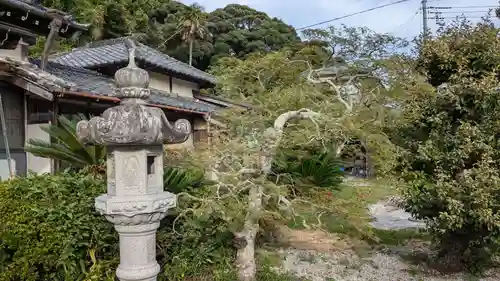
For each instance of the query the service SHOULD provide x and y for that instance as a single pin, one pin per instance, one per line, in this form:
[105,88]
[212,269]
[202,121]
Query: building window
[39,111]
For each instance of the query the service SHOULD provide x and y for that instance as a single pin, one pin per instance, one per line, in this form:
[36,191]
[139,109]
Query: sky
[399,20]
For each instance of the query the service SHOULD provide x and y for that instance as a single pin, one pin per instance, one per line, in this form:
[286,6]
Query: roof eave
[117,100]
[37,11]
[220,100]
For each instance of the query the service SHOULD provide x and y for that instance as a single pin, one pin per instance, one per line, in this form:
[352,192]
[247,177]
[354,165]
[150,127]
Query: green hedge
[50,227]
[50,231]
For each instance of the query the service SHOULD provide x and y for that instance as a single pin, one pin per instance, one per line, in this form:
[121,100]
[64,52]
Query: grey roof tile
[94,82]
[115,51]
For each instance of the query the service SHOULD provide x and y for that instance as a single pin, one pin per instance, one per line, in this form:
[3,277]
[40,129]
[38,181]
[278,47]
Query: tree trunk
[191,51]
[245,255]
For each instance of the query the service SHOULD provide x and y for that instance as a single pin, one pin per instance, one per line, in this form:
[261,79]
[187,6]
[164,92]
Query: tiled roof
[35,7]
[98,84]
[115,51]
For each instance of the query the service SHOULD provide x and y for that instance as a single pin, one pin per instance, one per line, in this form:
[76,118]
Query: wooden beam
[32,88]
[83,103]
[54,121]
[89,95]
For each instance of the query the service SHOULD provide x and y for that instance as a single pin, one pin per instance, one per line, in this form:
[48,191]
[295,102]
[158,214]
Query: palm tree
[191,26]
[67,148]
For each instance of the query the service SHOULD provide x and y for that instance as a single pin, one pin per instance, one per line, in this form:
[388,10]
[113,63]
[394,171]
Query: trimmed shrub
[50,229]
[451,162]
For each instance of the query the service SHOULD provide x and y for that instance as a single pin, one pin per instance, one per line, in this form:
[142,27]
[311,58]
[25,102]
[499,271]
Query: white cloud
[399,19]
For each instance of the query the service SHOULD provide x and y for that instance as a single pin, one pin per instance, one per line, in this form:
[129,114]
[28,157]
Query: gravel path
[339,266]
[345,265]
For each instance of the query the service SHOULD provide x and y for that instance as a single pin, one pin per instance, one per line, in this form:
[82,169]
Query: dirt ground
[320,256]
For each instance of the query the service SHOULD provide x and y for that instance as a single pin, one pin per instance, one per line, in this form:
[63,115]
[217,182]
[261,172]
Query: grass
[224,271]
[399,237]
[347,212]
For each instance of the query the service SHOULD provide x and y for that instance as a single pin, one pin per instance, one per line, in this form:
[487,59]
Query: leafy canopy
[235,30]
[450,149]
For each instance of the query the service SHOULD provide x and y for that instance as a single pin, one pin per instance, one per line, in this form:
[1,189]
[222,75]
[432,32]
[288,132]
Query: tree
[450,146]
[470,42]
[191,26]
[362,91]
[284,88]
[236,30]
[108,19]
[67,147]
[242,30]
[355,43]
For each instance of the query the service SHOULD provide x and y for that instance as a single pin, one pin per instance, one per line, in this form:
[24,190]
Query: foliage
[450,146]
[235,30]
[192,26]
[66,147]
[354,107]
[176,179]
[468,48]
[354,43]
[312,170]
[50,230]
[109,19]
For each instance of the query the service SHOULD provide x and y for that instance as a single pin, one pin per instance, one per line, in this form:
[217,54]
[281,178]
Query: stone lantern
[134,135]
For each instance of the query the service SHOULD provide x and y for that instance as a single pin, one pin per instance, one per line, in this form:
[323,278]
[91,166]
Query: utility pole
[424,17]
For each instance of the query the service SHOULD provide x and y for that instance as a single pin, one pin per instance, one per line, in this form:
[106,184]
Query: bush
[310,170]
[451,145]
[50,230]
[177,179]
[451,165]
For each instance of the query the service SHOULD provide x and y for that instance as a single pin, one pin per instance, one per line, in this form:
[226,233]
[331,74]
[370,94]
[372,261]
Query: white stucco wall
[184,88]
[34,163]
[159,81]
[180,87]
[4,168]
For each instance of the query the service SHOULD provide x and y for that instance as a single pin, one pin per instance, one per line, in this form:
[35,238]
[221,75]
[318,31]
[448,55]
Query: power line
[406,22]
[458,12]
[353,14]
[457,17]
[461,7]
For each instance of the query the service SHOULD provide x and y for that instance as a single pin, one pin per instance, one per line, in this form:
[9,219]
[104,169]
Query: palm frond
[66,147]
